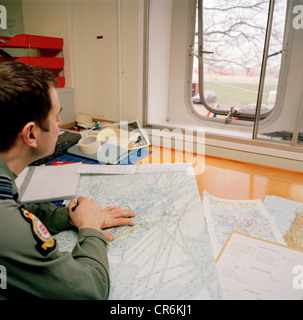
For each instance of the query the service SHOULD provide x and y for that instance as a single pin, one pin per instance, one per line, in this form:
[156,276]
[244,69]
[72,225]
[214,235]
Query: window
[248,54]
[228,50]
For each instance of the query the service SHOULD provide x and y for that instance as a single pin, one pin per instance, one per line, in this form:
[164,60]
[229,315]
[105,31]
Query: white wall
[159,59]
[14,17]
[14,23]
[91,64]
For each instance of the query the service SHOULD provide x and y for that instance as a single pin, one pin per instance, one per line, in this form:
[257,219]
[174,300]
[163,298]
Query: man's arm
[36,268]
[55,218]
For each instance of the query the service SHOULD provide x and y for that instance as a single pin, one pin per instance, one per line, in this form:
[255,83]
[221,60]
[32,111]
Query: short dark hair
[24,97]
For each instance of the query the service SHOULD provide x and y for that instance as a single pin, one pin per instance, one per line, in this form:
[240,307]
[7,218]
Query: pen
[74,208]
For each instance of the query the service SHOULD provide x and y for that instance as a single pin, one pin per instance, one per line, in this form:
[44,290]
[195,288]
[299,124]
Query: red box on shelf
[32,41]
[49,48]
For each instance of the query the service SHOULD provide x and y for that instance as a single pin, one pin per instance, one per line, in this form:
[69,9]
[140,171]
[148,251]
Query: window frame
[175,110]
[247,119]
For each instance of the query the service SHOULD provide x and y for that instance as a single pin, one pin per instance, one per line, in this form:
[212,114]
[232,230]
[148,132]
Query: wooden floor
[229,179]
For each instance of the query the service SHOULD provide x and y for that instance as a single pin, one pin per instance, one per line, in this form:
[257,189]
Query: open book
[125,134]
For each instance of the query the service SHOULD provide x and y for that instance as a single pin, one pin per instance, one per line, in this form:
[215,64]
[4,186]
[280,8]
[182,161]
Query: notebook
[48,183]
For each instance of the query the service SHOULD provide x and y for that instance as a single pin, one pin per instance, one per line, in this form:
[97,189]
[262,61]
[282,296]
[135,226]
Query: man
[35,268]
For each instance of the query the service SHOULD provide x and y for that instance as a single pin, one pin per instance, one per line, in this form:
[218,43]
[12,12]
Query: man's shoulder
[6,187]
[8,203]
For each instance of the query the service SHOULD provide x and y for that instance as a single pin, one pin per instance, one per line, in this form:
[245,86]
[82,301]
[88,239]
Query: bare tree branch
[235,33]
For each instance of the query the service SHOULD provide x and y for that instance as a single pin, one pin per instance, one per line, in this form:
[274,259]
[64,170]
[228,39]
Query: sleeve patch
[45,242]
[6,188]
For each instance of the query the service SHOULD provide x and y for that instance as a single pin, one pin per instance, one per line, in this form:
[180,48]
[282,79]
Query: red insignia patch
[45,242]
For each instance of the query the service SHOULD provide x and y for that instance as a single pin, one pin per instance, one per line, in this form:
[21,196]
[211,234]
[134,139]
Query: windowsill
[211,130]
[239,146]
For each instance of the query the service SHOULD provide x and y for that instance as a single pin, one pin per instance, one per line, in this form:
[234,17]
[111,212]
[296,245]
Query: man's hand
[115,216]
[86,214]
[89,214]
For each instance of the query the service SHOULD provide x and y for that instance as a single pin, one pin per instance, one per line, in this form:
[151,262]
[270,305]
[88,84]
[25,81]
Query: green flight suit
[35,268]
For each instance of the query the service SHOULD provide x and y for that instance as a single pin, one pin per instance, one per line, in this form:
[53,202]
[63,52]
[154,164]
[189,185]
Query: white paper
[21,177]
[245,216]
[127,169]
[287,214]
[50,183]
[106,169]
[254,269]
[117,136]
[164,167]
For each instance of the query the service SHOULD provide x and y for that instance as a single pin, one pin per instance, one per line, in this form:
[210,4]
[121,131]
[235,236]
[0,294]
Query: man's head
[26,96]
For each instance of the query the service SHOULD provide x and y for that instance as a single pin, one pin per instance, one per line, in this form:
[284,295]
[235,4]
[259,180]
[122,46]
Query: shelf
[31,41]
[47,63]
[49,48]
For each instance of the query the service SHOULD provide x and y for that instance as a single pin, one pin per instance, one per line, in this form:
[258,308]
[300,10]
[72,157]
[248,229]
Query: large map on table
[167,254]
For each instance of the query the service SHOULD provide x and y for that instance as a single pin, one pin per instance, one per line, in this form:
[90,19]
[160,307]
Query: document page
[255,269]
[245,216]
[50,183]
[140,168]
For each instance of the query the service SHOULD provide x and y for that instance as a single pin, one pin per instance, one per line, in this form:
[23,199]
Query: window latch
[201,52]
[231,113]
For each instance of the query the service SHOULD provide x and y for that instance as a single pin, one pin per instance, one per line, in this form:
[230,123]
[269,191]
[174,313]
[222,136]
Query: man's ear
[28,134]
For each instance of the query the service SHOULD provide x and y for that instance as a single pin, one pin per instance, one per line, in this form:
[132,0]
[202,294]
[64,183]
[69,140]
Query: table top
[236,180]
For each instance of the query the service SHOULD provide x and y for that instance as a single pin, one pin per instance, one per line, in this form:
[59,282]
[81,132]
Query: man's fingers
[118,212]
[115,216]
[108,236]
[124,221]
[72,203]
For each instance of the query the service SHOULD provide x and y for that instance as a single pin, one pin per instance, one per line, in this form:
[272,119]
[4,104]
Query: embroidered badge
[45,242]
